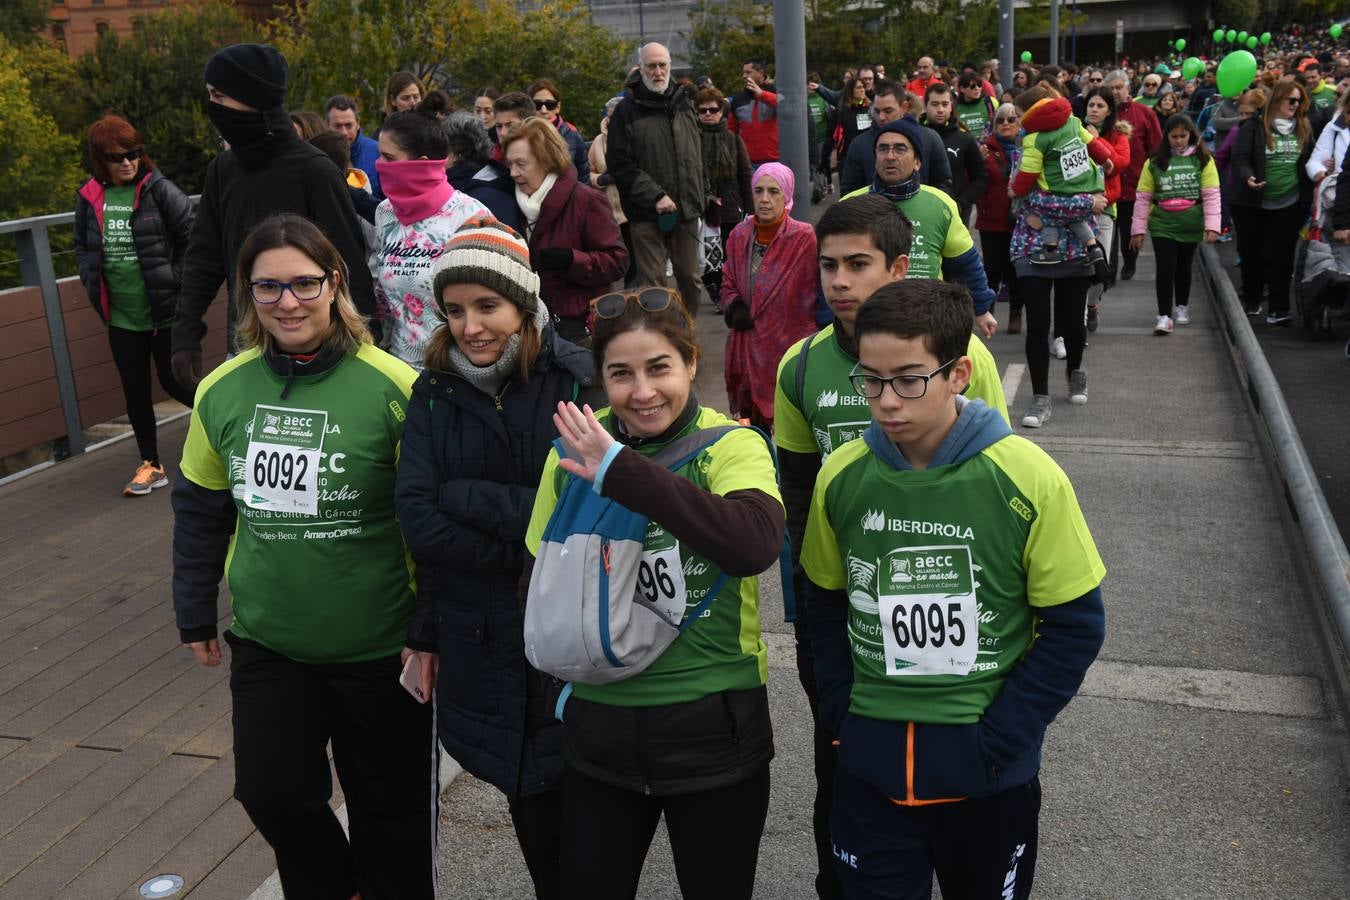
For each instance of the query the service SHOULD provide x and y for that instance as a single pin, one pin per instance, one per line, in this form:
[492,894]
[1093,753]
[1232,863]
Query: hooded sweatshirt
[1059,155]
[926,591]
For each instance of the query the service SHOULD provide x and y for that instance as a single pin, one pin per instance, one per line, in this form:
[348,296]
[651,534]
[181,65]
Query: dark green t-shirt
[1282,168]
[129,307]
[317,566]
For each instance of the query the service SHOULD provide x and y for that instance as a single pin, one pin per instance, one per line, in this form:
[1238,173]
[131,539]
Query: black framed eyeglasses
[306,288]
[907,387]
[549,105]
[128,155]
[651,299]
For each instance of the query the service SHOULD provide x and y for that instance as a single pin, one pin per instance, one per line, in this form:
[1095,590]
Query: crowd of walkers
[461,345]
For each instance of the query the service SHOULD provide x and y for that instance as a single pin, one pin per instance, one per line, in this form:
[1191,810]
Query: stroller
[1322,268]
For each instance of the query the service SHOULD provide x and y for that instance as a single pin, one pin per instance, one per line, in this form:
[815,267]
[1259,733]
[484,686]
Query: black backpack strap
[801,373]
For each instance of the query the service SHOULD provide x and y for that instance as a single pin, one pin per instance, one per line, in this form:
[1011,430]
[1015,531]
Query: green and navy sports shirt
[831,413]
[1002,529]
[336,585]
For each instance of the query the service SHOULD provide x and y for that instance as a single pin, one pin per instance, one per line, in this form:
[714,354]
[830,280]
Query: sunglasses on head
[129,155]
[651,299]
[546,104]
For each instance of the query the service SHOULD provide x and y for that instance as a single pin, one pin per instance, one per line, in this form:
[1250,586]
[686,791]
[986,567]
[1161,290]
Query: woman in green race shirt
[690,736]
[1269,198]
[287,488]
[1177,202]
[131,231]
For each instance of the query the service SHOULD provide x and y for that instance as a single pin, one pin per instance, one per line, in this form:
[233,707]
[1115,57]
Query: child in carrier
[1060,158]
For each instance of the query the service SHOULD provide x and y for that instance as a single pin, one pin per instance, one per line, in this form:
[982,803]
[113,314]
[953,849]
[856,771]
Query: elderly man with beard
[655,156]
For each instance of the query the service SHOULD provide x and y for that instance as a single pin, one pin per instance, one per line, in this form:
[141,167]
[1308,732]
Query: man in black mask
[265,170]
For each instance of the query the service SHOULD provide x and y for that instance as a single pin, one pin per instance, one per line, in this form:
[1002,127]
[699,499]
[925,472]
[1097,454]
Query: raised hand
[584,438]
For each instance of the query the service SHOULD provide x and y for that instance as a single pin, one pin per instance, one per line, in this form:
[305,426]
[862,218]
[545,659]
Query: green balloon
[1242,37]
[1236,72]
[1026,56]
[1218,35]
[1335,31]
[1181,44]
[1230,35]
[1265,38]
[1191,68]
[1252,42]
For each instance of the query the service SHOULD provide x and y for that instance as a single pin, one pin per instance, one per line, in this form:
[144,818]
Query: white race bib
[1074,161]
[660,583]
[281,471]
[864,121]
[927,606]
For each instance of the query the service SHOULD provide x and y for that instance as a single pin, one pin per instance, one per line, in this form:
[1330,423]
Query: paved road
[1315,378]
[1204,757]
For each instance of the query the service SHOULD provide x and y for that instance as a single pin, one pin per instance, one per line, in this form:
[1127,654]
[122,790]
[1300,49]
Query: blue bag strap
[562,701]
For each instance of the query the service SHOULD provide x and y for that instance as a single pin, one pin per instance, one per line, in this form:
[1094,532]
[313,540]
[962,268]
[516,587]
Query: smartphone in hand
[411,678]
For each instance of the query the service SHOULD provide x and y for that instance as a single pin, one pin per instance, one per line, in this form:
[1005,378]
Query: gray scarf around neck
[492,378]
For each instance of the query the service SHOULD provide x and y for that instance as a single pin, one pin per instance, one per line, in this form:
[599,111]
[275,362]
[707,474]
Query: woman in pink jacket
[770,287]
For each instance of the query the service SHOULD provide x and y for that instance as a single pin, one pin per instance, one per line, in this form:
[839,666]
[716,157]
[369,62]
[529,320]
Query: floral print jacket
[402,263]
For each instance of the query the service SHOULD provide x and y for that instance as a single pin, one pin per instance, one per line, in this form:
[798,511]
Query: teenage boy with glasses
[954,607]
[863,245]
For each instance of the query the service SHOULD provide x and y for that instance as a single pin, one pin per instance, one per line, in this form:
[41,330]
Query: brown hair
[545,143]
[1031,96]
[545,84]
[938,312]
[108,134]
[672,323]
[309,124]
[437,351]
[710,94]
[397,84]
[346,328]
[1278,93]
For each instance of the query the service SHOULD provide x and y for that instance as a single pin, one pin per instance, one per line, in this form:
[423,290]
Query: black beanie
[254,74]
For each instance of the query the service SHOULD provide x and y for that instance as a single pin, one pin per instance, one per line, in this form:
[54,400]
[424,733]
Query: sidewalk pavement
[1204,756]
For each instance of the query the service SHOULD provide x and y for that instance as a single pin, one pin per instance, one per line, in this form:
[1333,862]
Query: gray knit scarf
[492,378]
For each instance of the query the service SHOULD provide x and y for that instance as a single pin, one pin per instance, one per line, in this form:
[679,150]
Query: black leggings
[131,353]
[998,267]
[1265,242]
[1124,216]
[538,825]
[1174,260]
[1070,297]
[714,837]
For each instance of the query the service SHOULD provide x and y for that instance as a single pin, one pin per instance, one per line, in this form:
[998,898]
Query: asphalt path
[1314,374]
[1204,756]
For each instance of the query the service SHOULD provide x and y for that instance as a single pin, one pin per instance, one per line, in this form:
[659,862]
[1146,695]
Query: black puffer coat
[469,468]
[161,224]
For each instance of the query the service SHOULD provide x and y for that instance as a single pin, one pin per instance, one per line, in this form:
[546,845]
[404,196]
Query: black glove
[187,367]
[604,179]
[555,259]
[737,317]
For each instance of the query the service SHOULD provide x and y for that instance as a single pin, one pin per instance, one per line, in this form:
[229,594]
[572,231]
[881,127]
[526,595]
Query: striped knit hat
[484,251]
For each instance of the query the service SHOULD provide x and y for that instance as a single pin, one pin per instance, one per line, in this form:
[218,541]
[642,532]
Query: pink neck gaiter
[416,188]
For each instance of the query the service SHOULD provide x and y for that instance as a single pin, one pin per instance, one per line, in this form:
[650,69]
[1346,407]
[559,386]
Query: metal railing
[1326,546]
[32,240]
[36,270]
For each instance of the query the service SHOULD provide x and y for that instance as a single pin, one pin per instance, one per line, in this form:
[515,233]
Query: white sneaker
[1163,325]
[1182,316]
[1057,348]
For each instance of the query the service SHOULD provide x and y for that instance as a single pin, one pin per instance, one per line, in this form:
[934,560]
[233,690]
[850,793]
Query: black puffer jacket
[468,471]
[161,224]
[654,149]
